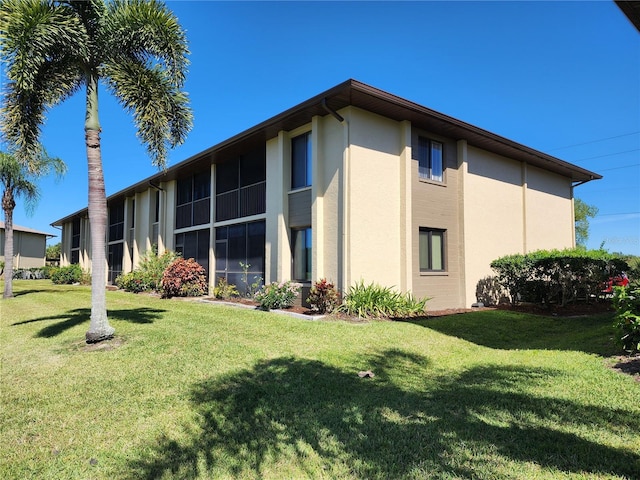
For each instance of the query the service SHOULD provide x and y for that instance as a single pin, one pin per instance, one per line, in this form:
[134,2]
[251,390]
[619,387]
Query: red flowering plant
[184,278]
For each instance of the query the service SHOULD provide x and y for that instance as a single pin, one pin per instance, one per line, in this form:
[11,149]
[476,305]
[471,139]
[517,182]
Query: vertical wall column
[524,208]
[406,226]
[467,292]
[277,251]
[317,200]
[168,215]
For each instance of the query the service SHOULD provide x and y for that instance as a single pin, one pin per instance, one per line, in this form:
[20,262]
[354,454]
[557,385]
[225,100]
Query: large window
[301,161]
[240,254]
[115,249]
[194,245]
[430,159]
[241,187]
[301,253]
[75,241]
[194,200]
[432,250]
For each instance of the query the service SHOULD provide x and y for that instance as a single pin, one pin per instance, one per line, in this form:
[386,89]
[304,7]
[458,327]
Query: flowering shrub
[323,296]
[184,278]
[277,295]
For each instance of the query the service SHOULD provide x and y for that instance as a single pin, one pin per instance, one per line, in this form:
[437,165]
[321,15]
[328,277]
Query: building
[352,184]
[29,247]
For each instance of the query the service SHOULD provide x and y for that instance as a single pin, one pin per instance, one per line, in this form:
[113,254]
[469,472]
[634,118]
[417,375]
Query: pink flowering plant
[277,295]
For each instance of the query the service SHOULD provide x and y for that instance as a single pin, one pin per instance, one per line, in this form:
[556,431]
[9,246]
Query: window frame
[307,162]
[425,159]
[428,268]
[307,237]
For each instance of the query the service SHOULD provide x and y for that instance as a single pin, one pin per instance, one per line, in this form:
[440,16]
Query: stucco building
[29,246]
[352,184]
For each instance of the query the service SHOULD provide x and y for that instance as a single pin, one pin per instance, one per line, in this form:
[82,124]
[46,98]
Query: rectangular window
[193,200]
[301,161]
[116,222]
[430,164]
[194,245]
[432,251]
[301,253]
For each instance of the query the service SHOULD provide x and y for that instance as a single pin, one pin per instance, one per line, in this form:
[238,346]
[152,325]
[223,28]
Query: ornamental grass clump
[277,295]
[184,278]
[375,301]
[323,297]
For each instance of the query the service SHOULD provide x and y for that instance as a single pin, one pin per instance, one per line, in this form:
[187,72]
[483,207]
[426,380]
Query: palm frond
[148,32]
[160,109]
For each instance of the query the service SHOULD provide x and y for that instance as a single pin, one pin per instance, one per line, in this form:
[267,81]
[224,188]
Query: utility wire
[606,155]
[594,141]
[618,168]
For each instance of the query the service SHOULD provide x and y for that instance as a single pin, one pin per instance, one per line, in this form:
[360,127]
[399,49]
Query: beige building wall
[29,249]
[549,211]
[373,246]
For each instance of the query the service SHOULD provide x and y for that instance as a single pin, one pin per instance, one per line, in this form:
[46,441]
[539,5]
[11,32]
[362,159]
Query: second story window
[301,161]
[430,164]
[193,204]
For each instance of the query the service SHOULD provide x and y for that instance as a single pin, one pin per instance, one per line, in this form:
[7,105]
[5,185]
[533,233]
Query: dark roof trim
[632,11]
[366,97]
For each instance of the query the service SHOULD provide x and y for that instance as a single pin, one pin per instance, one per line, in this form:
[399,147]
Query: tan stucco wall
[374,250]
[510,207]
[549,211]
[29,249]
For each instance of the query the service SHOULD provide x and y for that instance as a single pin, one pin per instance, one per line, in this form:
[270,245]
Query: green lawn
[194,390]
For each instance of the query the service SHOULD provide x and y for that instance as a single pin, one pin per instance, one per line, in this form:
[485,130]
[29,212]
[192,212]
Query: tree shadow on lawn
[508,330]
[81,315]
[470,425]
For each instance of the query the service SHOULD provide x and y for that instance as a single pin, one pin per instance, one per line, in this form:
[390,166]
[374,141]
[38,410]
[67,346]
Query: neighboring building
[29,247]
[353,184]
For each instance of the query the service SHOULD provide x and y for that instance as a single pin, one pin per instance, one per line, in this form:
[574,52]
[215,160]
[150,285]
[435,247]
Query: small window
[432,251]
[430,162]
[301,161]
[301,253]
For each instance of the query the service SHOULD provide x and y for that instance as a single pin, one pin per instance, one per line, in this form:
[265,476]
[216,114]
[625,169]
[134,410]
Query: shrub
[67,275]
[490,292]
[152,266]
[136,282]
[375,301]
[323,296]
[626,301]
[224,290]
[556,276]
[184,278]
[277,295]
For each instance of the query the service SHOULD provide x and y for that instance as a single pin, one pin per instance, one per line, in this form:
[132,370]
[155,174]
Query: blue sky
[561,77]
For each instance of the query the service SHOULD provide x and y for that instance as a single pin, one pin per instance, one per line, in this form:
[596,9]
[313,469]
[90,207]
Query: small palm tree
[53,48]
[16,182]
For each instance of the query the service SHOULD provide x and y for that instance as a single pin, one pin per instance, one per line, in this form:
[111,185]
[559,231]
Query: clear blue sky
[561,77]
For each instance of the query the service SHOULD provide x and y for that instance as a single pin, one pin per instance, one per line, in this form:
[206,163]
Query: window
[193,202]
[431,245]
[430,159]
[75,241]
[301,253]
[301,161]
[194,245]
[242,243]
[241,187]
[116,222]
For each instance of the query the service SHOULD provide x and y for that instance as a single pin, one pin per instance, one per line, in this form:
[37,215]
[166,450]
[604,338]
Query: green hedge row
[556,276]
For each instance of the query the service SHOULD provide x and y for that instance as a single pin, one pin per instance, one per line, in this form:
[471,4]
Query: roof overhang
[360,95]
[632,11]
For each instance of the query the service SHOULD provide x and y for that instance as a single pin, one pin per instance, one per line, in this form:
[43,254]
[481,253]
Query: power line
[618,168]
[594,141]
[606,155]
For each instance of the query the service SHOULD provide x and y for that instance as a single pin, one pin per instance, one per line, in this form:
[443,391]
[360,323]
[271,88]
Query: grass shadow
[78,316]
[331,423]
[507,330]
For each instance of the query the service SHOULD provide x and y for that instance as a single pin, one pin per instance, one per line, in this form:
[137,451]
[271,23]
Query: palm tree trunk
[8,204]
[99,328]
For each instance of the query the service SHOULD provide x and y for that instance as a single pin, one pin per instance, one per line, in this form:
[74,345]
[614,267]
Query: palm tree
[17,181]
[53,48]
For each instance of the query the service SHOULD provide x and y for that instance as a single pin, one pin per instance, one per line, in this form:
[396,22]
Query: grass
[192,390]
